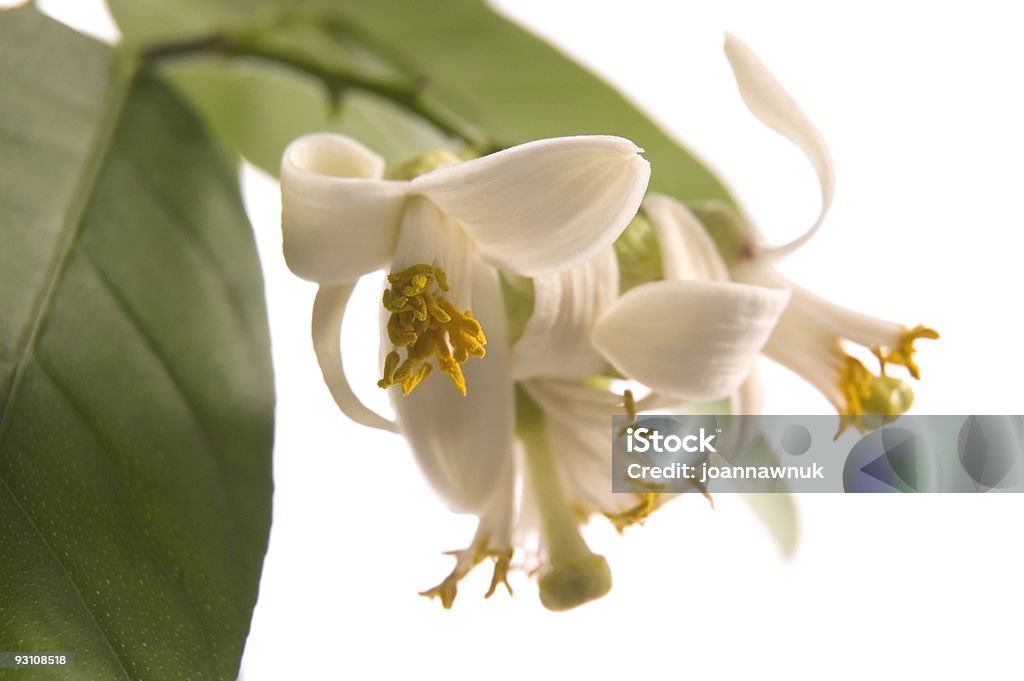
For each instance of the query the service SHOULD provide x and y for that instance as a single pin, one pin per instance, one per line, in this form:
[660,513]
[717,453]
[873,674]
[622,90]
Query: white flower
[529,210]
[810,335]
[691,336]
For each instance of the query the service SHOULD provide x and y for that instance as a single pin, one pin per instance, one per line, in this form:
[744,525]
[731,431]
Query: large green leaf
[516,87]
[257,108]
[458,55]
[136,396]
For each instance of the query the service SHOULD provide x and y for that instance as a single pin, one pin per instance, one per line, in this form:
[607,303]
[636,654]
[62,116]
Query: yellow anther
[446,591]
[465,561]
[502,561]
[390,365]
[870,399]
[414,379]
[903,353]
[629,406]
[428,325]
[648,504]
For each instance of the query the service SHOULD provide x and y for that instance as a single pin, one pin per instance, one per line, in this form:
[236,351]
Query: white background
[920,103]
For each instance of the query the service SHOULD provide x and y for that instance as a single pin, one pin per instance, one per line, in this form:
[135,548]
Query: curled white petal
[545,205]
[328,314]
[691,339]
[772,105]
[687,251]
[339,218]
[464,444]
[567,304]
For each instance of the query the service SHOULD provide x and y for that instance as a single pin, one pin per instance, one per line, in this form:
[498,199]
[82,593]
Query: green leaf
[774,507]
[136,395]
[145,22]
[516,87]
[257,107]
[464,63]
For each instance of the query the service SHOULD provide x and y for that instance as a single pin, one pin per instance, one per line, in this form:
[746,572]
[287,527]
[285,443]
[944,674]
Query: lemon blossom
[810,336]
[443,236]
[691,336]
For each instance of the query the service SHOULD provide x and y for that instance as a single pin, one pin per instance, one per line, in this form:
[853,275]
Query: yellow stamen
[466,560]
[502,560]
[427,324]
[903,353]
[870,398]
[648,504]
[629,406]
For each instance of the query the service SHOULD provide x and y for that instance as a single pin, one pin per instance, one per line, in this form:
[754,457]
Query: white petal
[775,509]
[328,314]
[567,304]
[546,205]
[778,512]
[429,237]
[464,444]
[692,339]
[687,251]
[817,316]
[573,399]
[749,399]
[340,220]
[581,446]
[773,106]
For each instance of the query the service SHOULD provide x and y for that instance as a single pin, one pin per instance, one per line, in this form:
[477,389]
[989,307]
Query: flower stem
[575,574]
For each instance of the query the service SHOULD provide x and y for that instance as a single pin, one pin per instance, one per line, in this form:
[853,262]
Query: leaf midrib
[122,73]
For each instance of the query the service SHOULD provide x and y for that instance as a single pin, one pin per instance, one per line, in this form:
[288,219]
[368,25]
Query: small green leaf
[457,63]
[136,395]
[257,107]
[773,507]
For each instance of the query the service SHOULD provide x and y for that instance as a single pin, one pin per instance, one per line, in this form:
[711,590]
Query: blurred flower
[692,336]
[810,335]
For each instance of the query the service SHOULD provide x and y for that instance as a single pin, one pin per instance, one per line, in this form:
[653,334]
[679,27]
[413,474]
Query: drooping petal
[581,443]
[567,304]
[816,315]
[687,251]
[546,205]
[340,219]
[772,105]
[328,314]
[464,444]
[692,339]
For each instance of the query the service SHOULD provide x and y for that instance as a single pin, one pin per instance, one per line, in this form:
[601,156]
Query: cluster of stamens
[870,397]
[427,324]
